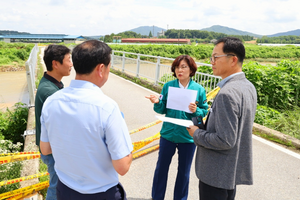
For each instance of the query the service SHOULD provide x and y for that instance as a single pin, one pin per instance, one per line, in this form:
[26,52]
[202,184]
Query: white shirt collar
[222,83]
[181,86]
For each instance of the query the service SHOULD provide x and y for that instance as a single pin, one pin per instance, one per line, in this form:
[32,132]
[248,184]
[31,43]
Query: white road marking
[289,152]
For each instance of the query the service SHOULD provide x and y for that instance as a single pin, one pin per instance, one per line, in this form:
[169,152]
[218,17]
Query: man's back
[91,133]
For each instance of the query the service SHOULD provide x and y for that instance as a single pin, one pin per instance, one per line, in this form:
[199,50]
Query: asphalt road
[276,170]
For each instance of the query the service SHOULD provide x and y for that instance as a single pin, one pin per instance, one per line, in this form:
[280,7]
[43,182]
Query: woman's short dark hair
[189,60]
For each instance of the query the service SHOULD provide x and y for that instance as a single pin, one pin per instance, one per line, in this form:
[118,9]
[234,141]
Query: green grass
[274,139]
[288,123]
[43,168]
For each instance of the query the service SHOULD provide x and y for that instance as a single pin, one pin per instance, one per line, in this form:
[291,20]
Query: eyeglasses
[182,67]
[213,58]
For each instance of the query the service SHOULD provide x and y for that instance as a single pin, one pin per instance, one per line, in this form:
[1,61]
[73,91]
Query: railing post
[138,66]
[123,62]
[157,70]
[112,59]
[30,74]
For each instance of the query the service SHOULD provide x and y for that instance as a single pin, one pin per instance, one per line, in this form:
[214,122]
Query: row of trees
[205,36]
[197,34]
[126,34]
[290,39]
[194,35]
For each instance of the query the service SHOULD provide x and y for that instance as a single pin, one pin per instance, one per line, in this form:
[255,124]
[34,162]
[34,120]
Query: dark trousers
[65,193]
[185,157]
[208,192]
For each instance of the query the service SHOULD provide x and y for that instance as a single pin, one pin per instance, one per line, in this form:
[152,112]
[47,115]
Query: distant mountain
[145,30]
[7,32]
[229,31]
[294,32]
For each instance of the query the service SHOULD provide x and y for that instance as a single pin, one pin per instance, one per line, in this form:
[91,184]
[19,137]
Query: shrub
[266,116]
[10,170]
[277,87]
[14,122]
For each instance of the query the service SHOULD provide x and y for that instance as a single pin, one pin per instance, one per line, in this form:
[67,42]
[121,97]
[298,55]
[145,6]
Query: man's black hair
[55,52]
[87,55]
[233,45]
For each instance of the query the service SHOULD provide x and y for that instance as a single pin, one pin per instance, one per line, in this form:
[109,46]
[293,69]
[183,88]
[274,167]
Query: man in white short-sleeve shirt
[85,131]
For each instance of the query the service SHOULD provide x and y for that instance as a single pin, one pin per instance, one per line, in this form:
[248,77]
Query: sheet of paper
[181,122]
[180,99]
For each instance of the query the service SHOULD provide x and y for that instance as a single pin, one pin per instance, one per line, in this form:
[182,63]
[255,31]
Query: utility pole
[153,30]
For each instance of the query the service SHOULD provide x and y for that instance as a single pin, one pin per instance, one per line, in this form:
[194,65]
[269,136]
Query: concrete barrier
[30,166]
[276,134]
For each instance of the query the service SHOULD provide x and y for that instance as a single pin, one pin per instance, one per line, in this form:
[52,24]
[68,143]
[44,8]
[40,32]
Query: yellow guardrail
[140,144]
[20,153]
[25,178]
[144,152]
[8,159]
[30,188]
[145,127]
[212,94]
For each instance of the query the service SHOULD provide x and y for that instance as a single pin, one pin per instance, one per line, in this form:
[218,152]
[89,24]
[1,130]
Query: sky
[102,17]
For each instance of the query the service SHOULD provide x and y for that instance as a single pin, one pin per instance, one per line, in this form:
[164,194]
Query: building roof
[43,36]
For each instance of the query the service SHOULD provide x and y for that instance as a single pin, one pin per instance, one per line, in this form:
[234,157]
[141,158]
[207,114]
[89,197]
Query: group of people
[84,140]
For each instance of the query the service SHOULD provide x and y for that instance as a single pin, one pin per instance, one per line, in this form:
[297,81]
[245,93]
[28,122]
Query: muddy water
[13,89]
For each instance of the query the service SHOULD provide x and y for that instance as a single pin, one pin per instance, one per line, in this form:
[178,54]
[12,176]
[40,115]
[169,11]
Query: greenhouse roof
[43,36]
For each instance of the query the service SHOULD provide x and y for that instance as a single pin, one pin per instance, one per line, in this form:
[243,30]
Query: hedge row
[277,86]
[203,51]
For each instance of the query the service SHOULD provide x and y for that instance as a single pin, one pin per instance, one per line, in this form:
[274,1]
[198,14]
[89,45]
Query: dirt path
[13,88]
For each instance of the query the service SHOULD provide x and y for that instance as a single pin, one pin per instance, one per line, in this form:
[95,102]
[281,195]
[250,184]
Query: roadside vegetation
[14,55]
[13,123]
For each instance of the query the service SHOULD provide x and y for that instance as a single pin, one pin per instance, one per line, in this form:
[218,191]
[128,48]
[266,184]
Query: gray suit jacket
[224,149]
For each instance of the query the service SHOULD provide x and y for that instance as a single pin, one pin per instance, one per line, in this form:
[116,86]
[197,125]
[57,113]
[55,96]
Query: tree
[108,38]
[150,34]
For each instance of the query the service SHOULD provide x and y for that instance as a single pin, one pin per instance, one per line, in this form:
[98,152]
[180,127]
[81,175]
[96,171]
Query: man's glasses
[213,58]
[182,67]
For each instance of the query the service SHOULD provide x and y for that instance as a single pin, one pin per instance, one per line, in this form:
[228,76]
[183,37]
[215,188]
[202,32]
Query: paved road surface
[276,173]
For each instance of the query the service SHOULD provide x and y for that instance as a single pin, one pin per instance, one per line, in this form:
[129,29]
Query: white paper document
[181,122]
[180,99]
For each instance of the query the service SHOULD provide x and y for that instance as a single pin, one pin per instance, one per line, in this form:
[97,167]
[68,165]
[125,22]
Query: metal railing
[156,70]
[30,73]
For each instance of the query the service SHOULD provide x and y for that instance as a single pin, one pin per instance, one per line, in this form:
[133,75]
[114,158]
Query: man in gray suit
[224,148]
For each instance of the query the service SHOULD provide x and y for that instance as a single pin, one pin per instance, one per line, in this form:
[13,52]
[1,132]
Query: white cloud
[94,17]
